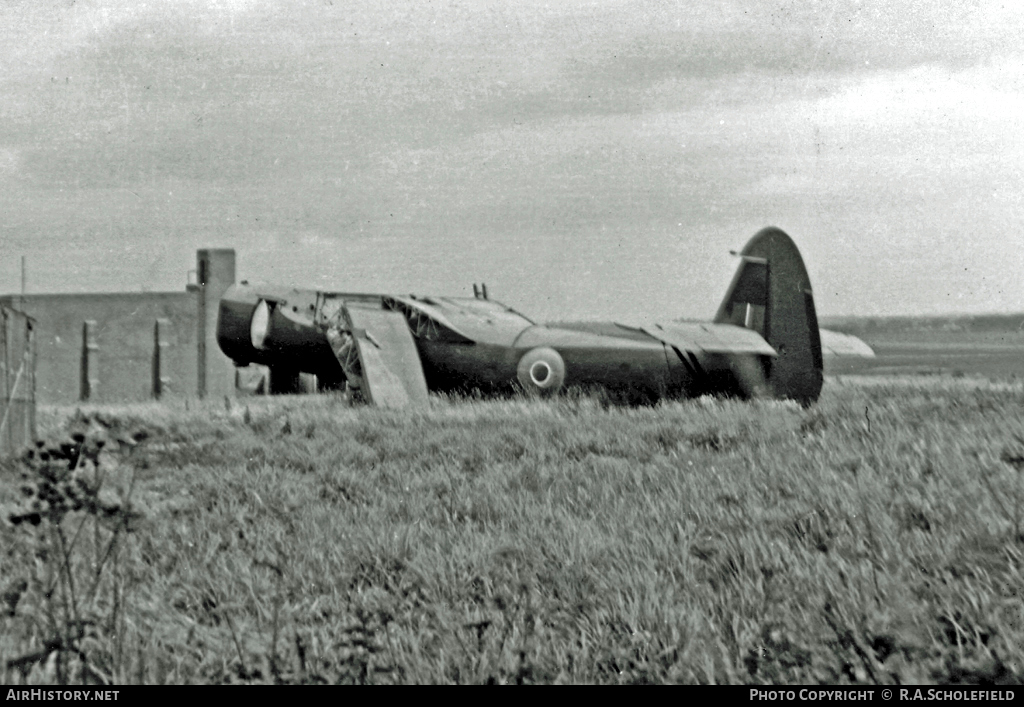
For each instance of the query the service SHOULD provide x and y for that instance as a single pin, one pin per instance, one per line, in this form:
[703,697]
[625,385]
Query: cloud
[990,92]
[10,160]
[421,141]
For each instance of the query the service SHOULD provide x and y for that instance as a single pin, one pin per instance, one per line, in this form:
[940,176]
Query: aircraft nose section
[234,319]
[259,325]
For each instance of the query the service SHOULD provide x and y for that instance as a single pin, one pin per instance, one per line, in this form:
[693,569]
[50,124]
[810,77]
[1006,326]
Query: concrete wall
[122,365]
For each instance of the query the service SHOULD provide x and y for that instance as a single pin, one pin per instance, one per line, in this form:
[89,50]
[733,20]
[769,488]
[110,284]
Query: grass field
[877,537]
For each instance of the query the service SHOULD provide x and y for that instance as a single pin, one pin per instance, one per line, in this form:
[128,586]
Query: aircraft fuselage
[469,344]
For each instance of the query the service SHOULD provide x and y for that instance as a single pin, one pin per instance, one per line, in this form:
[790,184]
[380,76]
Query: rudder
[771,294]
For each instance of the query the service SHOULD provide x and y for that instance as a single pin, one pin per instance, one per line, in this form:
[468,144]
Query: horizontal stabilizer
[834,343]
[392,375]
[710,338]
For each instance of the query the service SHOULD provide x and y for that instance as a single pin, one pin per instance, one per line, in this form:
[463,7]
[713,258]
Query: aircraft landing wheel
[541,371]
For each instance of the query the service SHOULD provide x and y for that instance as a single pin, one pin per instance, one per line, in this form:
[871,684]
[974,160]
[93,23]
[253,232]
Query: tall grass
[873,538]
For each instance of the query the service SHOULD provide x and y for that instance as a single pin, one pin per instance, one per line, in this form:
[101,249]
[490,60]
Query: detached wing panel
[392,372]
[710,338]
[834,343]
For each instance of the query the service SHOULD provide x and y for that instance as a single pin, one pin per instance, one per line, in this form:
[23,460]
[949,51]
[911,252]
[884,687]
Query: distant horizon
[184,290]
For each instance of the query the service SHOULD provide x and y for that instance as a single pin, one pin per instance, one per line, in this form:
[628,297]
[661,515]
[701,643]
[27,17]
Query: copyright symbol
[886,694]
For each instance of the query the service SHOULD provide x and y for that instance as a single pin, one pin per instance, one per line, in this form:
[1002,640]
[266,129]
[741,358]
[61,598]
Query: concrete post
[161,364]
[215,274]
[17,381]
[90,379]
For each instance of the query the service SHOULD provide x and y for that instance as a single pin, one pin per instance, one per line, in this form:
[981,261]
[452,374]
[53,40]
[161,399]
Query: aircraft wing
[389,369]
[834,343]
[710,338]
[694,339]
[462,320]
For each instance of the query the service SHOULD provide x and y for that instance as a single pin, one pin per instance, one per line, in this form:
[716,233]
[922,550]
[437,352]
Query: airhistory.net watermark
[62,695]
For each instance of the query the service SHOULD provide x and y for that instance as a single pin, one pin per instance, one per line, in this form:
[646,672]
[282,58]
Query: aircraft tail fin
[771,294]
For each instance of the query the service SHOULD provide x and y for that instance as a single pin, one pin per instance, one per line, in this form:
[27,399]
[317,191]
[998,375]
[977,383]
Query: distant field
[992,354]
[877,537]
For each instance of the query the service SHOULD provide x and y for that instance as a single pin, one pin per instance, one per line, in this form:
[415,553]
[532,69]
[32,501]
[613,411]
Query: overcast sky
[585,159]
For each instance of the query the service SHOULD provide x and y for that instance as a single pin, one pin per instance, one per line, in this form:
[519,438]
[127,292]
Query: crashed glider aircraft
[764,341]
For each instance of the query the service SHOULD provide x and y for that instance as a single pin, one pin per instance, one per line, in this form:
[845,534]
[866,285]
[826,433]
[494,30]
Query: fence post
[17,381]
[90,361]
[161,343]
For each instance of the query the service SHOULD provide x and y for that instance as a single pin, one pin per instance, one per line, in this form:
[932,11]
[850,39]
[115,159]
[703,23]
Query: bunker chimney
[215,273]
